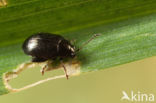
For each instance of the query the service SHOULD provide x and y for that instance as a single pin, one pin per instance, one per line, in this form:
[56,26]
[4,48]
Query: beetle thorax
[66,49]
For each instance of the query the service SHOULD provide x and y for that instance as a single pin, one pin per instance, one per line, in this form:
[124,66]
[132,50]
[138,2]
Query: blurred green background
[103,86]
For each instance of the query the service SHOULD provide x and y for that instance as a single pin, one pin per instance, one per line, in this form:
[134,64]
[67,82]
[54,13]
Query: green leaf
[127,28]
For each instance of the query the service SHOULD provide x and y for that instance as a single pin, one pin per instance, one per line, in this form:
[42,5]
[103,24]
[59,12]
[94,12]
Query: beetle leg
[45,67]
[65,70]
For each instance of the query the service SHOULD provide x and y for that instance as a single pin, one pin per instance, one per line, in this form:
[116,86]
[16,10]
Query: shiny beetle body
[46,46]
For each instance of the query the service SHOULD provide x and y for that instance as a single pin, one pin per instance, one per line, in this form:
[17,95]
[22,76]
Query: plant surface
[127,28]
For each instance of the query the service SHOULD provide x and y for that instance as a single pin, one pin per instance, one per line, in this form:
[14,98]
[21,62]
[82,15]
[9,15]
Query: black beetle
[47,46]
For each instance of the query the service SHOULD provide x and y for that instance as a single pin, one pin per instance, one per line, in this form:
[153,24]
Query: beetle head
[72,51]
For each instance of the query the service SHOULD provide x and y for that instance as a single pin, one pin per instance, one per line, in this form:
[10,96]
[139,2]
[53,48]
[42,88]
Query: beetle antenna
[93,37]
